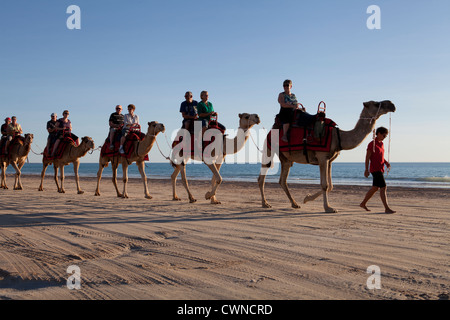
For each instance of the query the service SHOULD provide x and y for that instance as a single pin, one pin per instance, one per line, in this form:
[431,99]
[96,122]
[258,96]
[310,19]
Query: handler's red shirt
[377,157]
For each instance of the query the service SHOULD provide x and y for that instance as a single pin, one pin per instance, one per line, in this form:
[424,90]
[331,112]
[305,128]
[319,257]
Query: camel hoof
[192,200]
[62,191]
[331,210]
[41,189]
[176,199]
[80,192]
[97,194]
[208,195]
[266,205]
[216,202]
[148,197]
[295,206]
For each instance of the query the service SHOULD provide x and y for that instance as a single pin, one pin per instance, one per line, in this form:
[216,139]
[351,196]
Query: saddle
[67,140]
[128,145]
[16,140]
[213,124]
[306,132]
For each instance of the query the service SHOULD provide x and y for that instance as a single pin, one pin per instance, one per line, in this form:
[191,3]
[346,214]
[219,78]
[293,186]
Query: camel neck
[234,145]
[353,138]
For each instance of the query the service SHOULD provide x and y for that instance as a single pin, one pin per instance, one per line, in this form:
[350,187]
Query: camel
[230,146]
[16,157]
[72,154]
[341,140]
[142,148]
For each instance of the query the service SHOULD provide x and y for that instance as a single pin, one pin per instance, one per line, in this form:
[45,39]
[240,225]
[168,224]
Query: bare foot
[389,210]
[364,207]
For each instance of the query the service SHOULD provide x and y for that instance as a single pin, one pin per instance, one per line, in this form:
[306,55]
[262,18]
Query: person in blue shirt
[188,110]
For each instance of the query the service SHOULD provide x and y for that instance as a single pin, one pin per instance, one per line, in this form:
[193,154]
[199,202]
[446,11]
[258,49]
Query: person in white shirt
[130,119]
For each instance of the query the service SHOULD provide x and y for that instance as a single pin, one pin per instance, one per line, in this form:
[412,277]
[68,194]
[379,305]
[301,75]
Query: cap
[8,119]
[53,114]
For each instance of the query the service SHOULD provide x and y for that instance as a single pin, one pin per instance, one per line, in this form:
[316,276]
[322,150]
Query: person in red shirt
[375,157]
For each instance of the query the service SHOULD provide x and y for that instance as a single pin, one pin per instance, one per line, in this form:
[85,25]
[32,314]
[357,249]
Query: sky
[149,53]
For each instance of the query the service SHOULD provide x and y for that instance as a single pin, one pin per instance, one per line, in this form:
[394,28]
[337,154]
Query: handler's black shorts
[378,179]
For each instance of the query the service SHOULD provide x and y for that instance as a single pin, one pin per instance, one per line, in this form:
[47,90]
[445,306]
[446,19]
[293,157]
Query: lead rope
[156,141]
[389,145]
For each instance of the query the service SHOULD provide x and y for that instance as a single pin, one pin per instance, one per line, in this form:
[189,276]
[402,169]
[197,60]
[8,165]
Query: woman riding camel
[288,103]
[130,119]
[63,128]
[14,129]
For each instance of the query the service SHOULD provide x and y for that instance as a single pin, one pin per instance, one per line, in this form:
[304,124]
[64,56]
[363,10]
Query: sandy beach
[162,249]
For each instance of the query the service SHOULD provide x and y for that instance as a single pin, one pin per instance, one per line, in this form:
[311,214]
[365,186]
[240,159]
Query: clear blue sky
[150,52]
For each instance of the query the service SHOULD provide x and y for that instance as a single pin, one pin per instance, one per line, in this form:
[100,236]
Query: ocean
[419,175]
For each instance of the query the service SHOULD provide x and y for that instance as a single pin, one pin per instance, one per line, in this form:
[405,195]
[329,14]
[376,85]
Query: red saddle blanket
[305,137]
[61,147]
[193,144]
[128,146]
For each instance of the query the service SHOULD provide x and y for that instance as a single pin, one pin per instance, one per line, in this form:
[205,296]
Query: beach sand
[162,249]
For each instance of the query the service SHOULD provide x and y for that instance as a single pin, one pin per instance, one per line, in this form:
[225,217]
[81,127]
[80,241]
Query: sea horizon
[402,174]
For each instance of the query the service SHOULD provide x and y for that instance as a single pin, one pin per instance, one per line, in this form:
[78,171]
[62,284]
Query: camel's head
[248,120]
[29,138]
[88,142]
[377,109]
[154,128]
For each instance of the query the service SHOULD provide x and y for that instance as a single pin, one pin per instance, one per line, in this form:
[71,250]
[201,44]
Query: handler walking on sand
[375,157]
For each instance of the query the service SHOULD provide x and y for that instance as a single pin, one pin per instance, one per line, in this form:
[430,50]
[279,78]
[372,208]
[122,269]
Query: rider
[52,133]
[205,111]
[288,103]
[14,129]
[63,127]
[5,127]
[130,119]
[115,125]
[188,110]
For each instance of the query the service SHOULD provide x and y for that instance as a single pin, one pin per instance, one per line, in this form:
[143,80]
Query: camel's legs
[76,166]
[101,166]
[125,178]
[3,184]
[218,181]
[115,165]
[213,183]
[330,182]
[173,177]
[16,175]
[285,168]
[141,167]
[324,180]
[20,180]
[314,196]
[186,185]
[261,182]
[17,181]
[44,168]
[61,175]
[55,167]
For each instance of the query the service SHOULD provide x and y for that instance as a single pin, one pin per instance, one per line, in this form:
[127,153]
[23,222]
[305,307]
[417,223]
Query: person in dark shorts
[52,133]
[116,120]
[375,158]
[288,103]
[188,110]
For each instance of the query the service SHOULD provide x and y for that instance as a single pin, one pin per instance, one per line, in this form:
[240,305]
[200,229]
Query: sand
[162,249]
